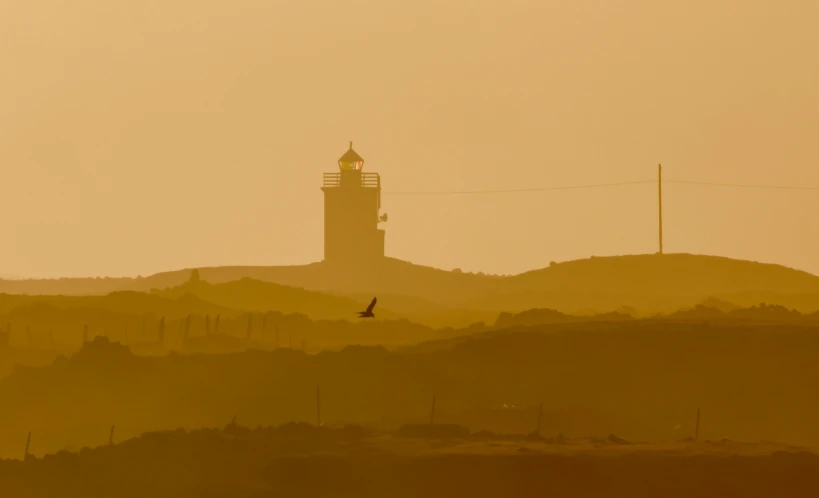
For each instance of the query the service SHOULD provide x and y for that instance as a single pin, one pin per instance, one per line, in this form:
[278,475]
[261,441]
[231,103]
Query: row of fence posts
[431,421]
[6,334]
[184,331]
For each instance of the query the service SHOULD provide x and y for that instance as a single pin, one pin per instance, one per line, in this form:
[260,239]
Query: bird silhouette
[369,313]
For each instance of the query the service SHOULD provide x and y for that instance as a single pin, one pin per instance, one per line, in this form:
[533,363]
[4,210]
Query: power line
[739,185]
[514,191]
[600,185]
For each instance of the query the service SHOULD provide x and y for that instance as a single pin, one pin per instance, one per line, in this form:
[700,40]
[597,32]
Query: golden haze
[145,136]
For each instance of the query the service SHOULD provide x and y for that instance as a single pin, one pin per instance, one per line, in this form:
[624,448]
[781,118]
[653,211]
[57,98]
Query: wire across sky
[739,185]
[600,185]
[513,191]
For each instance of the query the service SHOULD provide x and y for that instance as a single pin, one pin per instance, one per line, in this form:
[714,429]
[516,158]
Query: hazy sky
[146,135]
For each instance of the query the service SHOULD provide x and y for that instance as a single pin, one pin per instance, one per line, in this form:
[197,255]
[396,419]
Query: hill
[648,283]
[249,294]
[242,462]
[64,286]
[651,283]
[591,377]
[666,273]
[386,276]
[27,308]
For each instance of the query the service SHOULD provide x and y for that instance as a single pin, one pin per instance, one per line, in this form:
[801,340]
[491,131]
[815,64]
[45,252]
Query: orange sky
[141,136]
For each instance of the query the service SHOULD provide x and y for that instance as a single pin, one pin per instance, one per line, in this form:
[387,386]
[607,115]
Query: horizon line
[140,276]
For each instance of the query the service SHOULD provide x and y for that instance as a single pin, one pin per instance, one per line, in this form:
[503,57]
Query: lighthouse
[352,205]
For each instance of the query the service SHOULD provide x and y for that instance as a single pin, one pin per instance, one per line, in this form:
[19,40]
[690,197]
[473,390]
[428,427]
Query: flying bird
[369,313]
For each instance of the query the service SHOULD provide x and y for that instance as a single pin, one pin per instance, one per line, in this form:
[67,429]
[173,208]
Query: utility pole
[660,192]
[432,412]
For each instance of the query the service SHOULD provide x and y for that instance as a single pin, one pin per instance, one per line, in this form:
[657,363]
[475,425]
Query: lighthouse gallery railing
[369,180]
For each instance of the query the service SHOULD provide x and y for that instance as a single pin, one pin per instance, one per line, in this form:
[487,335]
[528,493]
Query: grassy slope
[639,380]
[670,274]
[286,460]
[255,295]
[651,283]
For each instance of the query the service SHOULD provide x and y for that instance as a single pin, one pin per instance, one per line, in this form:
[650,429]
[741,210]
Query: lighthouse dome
[350,161]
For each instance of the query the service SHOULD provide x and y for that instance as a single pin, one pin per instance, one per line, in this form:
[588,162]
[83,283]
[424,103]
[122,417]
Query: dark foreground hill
[643,380]
[303,461]
[41,331]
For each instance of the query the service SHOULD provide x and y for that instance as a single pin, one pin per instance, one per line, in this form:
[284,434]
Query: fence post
[28,442]
[318,406]
[264,327]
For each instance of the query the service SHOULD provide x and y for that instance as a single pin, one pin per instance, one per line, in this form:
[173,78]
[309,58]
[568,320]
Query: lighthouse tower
[352,202]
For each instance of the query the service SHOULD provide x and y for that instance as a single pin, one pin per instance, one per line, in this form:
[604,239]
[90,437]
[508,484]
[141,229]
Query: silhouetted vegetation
[83,370]
[302,460]
[590,375]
